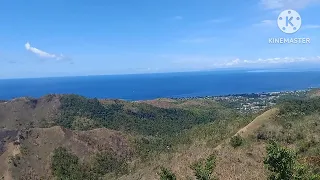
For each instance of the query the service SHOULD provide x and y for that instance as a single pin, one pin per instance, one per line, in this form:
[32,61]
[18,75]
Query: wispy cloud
[178,18]
[311,26]
[43,54]
[265,23]
[12,62]
[276,60]
[283,4]
[202,62]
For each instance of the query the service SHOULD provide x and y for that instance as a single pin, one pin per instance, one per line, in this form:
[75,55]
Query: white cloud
[233,62]
[203,62]
[286,4]
[43,54]
[276,60]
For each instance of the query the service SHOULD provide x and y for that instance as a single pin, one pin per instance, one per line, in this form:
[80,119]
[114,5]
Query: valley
[73,137]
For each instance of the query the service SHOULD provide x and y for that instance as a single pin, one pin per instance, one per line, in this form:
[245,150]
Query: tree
[105,162]
[166,174]
[283,165]
[65,165]
[280,161]
[203,169]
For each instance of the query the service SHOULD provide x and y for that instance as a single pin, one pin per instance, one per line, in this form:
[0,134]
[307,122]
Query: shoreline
[249,94]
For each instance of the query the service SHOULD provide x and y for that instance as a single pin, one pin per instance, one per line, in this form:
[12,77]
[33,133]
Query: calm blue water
[151,86]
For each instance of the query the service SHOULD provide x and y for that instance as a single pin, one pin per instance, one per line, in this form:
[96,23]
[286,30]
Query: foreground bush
[236,141]
[105,163]
[166,174]
[66,165]
[203,169]
[283,165]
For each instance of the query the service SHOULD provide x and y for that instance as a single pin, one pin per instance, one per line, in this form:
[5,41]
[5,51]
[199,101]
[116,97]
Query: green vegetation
[158,136]
[67,166]
[156,129]
[166,174]
[280,161]
[203,169]
[78,112]
[236,141]
[296,107]
[283,165]
[297,123]
[105,163]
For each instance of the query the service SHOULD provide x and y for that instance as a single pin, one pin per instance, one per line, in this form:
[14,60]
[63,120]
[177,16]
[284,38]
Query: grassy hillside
[22,113]
[77,112]
[163,138]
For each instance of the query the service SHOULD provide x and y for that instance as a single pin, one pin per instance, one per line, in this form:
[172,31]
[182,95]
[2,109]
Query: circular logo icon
[289,21]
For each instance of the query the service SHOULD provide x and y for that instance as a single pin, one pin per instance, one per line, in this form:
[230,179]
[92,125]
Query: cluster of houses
[257,101]
[252,102]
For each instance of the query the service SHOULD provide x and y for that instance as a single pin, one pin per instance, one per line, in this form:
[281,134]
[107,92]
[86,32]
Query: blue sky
[62,38]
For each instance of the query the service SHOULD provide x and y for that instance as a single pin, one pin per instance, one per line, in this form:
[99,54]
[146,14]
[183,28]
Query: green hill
[70,136]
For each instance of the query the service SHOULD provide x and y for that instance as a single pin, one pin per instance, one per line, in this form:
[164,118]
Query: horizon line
[247,70]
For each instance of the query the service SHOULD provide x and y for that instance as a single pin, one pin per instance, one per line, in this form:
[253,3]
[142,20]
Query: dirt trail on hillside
[230,163]
[258,122]
[238,163]
[11,150]
[253,125]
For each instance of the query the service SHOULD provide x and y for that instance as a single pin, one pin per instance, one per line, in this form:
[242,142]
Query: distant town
[253,102]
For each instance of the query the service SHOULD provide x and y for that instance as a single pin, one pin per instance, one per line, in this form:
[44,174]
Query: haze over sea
[151,86]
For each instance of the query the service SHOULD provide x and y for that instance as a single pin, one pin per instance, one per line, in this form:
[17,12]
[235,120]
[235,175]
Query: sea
[162,85]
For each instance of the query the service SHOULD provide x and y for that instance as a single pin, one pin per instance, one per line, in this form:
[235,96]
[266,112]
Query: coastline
[149,87]
[250,94]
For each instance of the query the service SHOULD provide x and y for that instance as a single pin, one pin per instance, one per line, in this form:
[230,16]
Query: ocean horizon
[163,85]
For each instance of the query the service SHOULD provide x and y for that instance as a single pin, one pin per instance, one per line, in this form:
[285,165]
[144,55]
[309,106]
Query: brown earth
[161,103]
[39,143]
[28,112]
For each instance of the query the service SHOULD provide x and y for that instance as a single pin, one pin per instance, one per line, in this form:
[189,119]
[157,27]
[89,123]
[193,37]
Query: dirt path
[258,122]
[253,125]
[11,150]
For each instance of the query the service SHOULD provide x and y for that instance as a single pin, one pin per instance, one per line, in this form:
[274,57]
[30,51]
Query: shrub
[65,165]
[283,165]
[280,162]
[106,162]
[236,141]
[24,150]
[203,169]
[306,145]
[166,174]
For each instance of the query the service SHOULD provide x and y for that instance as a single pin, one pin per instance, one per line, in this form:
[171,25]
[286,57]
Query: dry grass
[40,143]
[25,112]
[264,118]
[160,103]
[243,163]
[11,150]
[314,93]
